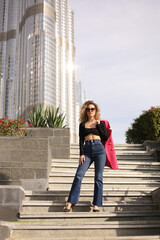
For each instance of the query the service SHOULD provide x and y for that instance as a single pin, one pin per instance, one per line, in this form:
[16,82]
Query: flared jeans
[94,152]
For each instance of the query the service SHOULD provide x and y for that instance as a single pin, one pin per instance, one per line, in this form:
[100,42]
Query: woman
[91,132]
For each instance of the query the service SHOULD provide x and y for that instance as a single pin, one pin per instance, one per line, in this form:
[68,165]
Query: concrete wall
[153,147]
[11,198]
[59,140]
[5,231]
[26,161]
[156,197]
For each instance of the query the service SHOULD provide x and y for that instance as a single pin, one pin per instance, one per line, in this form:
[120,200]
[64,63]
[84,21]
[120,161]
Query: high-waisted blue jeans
[94,152]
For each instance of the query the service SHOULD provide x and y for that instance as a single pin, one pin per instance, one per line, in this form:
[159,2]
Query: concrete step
[75,160]
[127,209]
[122,168]
[118,151]
[49,230]
[107,183]
[140,163]
[106,177]
[111,186]
[132,146]
[91,216]
[57,196]
[126,156]
[126,148]
[129,164]
[50,206]
[101,238]
[108,189]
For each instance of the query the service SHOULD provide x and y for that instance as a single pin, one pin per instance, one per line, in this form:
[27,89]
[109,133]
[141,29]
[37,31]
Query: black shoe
[96,210]
[68,209]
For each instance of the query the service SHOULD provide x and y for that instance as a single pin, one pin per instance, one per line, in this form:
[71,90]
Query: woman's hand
[81,159]
[98,122]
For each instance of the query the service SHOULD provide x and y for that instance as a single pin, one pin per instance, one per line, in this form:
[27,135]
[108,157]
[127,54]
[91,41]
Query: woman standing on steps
[92,132]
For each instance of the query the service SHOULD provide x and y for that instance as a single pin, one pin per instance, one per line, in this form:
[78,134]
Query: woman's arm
[102,130]
[81,145]
[81,139]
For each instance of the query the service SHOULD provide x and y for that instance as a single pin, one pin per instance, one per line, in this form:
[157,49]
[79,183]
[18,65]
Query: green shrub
[145,127]
[14,127]
[49,117]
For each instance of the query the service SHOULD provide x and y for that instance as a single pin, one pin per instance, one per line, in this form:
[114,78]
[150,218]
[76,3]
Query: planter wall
[153,147]
[26,161]
[11,198]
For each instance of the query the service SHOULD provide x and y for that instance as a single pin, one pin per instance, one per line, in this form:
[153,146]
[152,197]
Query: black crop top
[100,130]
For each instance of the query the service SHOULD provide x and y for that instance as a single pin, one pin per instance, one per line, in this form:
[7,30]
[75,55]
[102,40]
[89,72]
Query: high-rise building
[81,98]
[65,49]
[37,58]
[81,93]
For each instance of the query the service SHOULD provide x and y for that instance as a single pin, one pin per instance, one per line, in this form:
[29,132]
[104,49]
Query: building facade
[37,58]
[80,99]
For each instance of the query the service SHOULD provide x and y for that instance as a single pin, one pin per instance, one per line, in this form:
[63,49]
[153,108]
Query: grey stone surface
[22,173]
[45,132]
[11,164]
[10,182]
[60,153]
[28,159]
[23,143]
[60,143]
[153,147]
[16,152]
[4,231]
[35,184]
[49,158]
[5,173]
[49,132]
[61,132]
[10,202]
[35,144]
[29,156]
[5,155]
[156,197]
[65,140]
[41,165]
[56,141]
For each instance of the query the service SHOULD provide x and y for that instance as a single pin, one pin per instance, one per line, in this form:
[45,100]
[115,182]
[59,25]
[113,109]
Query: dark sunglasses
[90,109]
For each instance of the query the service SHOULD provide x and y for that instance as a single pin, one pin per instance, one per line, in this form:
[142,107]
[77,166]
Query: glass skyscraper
[37,58]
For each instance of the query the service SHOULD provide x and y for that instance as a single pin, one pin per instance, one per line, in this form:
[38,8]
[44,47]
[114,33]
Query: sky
[118,57]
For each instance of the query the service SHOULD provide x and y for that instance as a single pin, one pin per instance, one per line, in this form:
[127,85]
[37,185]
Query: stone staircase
[128,210]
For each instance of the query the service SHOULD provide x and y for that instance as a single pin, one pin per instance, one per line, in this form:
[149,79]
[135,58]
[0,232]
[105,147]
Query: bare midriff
[91,137]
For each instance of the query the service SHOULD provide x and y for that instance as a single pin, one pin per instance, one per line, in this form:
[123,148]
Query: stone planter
[153,147]
[26,161]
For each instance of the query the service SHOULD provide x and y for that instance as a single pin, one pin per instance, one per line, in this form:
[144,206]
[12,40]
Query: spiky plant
[49,117]
[38,117]
[54,118]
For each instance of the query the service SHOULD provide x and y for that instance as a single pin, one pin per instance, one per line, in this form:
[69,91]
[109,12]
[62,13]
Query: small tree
[145,127]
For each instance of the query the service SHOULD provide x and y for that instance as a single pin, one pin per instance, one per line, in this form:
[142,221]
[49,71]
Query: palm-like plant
[49,117]
[54,118]
[37,117]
